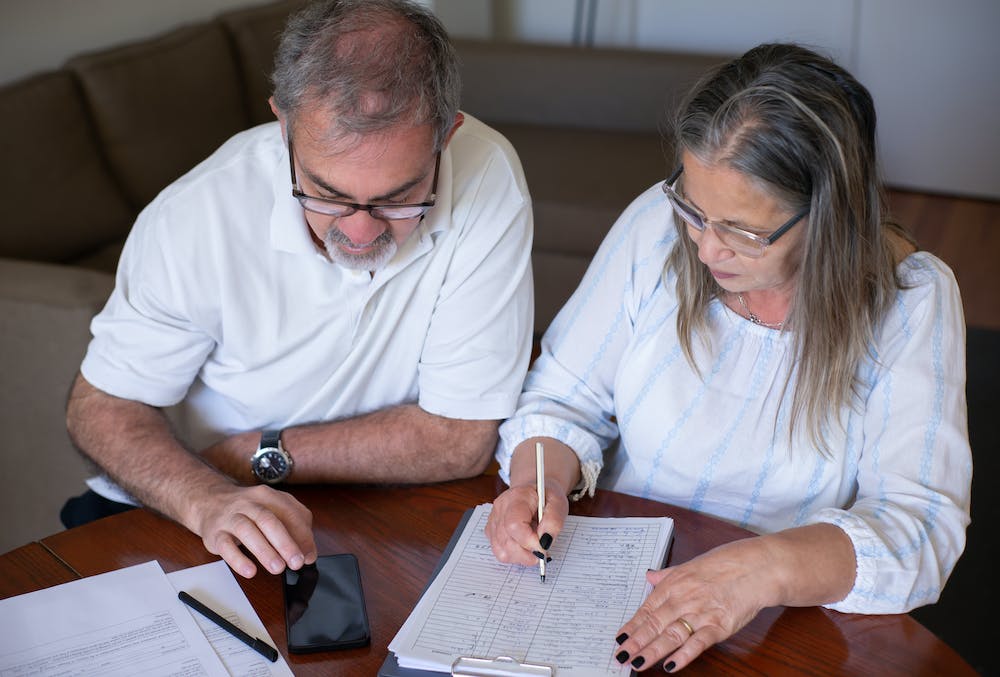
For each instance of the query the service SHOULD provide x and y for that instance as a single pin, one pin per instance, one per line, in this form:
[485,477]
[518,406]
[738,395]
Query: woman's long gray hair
[370,65]
[803,128]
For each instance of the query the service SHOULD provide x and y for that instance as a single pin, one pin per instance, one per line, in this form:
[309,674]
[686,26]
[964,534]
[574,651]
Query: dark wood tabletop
[398,535]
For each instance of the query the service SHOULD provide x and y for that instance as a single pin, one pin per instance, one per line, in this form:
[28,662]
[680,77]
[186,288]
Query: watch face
[270,465]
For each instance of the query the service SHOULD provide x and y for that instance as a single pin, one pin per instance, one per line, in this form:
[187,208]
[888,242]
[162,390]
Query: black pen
[261,647]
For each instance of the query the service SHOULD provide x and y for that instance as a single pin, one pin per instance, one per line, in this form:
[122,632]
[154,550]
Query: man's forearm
[133,443]
[399,444]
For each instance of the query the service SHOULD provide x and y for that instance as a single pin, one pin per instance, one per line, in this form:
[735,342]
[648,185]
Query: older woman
[754,340]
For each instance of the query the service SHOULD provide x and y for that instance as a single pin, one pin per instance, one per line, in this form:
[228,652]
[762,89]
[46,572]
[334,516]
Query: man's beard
[383,248]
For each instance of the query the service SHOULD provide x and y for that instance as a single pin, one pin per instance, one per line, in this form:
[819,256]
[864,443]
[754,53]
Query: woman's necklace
[756,320]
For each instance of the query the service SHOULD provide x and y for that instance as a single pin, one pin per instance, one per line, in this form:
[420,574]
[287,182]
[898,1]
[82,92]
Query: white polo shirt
[223,303]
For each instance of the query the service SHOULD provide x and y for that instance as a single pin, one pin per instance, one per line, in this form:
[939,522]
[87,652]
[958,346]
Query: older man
[343,295]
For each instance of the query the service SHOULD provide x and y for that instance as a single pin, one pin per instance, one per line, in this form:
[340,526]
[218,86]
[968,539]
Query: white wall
[934,70]
[930,64]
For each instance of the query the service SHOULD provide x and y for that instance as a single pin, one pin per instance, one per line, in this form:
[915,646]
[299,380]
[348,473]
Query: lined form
[478,607]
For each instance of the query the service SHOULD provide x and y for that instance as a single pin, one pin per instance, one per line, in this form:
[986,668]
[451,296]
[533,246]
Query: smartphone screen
[325,606]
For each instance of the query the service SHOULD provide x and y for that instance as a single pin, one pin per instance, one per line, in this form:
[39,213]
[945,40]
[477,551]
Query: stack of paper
[478,607]
[130,622]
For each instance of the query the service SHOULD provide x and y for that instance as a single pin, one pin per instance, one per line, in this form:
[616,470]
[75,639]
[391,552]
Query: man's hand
[133,443]
[272,525]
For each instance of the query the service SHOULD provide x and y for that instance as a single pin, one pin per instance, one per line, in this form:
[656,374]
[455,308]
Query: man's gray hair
[370,65]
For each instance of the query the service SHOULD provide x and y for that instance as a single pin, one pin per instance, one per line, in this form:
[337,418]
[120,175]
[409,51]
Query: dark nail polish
[546,541]
[548,559]
[669,666]
[622,637]
[637,663]
[537,554]
[622,656]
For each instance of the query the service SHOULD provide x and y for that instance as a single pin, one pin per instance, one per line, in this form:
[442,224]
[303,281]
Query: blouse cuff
[586,448]
[860,598]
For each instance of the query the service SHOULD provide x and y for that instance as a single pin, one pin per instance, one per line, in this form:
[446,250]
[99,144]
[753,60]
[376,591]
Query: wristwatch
[271,464]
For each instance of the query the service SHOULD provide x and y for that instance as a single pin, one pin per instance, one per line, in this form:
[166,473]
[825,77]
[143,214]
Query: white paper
[478,607]
[215,586]
[123,623]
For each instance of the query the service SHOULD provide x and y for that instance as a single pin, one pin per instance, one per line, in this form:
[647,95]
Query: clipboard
[477,666]
[390,667]
[466,666]
[503,666]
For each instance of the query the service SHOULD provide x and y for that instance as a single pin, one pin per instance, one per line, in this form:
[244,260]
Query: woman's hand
[706,600]
[693,606]
[511,527]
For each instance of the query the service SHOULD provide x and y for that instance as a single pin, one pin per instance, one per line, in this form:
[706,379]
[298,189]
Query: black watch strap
[270,439]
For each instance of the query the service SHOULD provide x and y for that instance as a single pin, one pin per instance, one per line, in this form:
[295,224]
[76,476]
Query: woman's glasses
[740,241]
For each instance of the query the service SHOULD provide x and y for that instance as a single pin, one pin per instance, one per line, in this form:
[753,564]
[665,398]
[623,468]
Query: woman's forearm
[810,565]
[562,467]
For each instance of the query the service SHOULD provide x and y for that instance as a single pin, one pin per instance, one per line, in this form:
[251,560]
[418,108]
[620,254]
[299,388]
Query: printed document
[129,622]
[119,624]
[215,586]
[478,607]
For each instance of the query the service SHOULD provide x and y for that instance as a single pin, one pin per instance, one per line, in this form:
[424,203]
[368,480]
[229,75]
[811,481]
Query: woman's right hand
[511,527]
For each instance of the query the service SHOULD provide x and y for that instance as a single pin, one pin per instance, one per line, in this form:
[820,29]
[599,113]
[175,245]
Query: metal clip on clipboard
[502,666]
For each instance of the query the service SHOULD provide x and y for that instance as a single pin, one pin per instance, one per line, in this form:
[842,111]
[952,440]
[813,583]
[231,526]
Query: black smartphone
[325,605]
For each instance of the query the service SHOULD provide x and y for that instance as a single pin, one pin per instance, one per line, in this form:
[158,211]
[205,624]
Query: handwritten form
[130,622]
[477,606]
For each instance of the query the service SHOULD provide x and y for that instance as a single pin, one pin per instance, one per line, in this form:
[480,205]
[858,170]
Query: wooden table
[398,534]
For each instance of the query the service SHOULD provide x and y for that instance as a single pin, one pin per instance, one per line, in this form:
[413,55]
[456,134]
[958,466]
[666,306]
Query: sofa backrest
[255,32]
[586,123]
[59,197]
[162,105]
[89,145]
[583,87]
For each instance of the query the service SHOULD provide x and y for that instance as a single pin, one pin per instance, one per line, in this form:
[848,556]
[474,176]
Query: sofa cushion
[596,88]
[582,180]
[586,123]
[255,32]
[45,313]
[104,259]
[60,201]
[556,277]
[164,104]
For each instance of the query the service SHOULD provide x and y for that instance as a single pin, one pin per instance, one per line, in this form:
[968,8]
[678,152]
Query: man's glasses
[388,212]
[740,241]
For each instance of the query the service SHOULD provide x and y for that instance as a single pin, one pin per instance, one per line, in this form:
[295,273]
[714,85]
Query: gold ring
[686,625]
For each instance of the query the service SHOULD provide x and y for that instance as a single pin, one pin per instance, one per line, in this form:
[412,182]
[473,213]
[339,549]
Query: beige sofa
[85,147]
